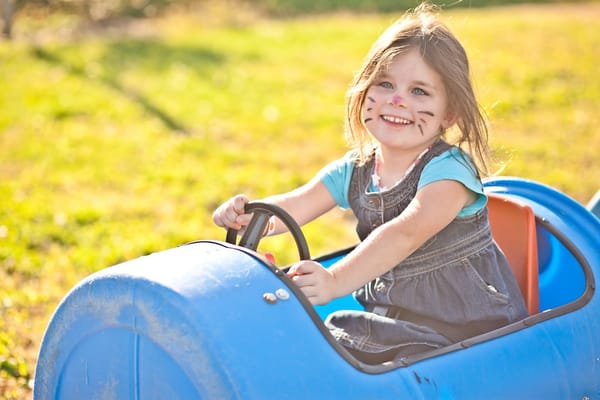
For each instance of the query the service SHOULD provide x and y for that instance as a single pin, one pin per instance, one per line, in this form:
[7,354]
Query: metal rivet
[270,298]
[282,294]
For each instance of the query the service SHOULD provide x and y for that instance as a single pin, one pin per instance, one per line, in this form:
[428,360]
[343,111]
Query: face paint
[423,120]
[372,100]
[396,100]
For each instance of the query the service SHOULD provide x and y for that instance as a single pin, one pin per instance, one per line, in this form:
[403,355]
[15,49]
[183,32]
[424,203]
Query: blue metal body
[191,323]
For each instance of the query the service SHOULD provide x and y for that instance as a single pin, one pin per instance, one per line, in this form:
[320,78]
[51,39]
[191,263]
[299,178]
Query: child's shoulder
[453,155]
[350,159]
[453,162]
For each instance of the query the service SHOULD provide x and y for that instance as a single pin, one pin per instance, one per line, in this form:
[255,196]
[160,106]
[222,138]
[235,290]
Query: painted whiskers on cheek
[423,120]
[372,100]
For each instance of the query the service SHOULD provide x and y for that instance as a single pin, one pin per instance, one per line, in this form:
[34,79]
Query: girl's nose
[395,100]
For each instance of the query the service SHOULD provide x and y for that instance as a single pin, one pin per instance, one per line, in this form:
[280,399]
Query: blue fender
[191,322]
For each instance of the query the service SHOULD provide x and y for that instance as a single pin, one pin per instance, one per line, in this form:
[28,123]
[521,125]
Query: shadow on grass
[148,55]
[155,56]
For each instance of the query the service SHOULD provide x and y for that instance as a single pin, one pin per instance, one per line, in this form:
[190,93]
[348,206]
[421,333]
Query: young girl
[426,270]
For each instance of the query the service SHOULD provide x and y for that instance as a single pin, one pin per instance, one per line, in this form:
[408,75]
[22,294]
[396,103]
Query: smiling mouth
[396,120]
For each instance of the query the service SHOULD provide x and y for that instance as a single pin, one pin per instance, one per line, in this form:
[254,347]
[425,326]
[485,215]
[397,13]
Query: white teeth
[396,120]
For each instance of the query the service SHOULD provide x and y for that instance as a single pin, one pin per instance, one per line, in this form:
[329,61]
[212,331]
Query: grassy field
[121,142]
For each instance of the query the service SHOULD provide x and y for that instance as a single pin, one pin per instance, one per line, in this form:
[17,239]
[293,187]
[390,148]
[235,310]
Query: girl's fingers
[231,217]
[243,219]
[239,203]
[303,267]
[301,280]
[311,279]
[228,214]
[303,273]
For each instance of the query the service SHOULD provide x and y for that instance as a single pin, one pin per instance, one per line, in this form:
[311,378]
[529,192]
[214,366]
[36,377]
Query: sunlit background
[123,124]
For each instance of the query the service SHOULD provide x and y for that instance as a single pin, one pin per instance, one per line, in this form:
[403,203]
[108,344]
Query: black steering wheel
[261,212]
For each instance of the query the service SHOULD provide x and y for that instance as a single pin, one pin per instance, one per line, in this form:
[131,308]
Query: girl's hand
[316,282]
[231,213]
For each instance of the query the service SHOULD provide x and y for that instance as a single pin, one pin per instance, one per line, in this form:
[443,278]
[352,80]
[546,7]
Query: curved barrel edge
[121,317]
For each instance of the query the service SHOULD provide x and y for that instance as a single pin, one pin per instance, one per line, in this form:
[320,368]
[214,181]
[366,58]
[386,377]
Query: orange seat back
[513,229]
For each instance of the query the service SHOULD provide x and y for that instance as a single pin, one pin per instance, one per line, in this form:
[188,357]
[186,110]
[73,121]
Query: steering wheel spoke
[261,212]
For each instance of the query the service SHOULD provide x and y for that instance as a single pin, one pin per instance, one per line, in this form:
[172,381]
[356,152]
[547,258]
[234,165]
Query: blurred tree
[98,10]
[8,10]
[91,10]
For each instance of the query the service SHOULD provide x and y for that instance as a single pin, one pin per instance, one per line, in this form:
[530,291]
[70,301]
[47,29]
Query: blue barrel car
[216,320]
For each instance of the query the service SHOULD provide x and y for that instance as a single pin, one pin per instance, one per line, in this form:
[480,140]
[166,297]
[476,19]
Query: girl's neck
[391,167]
[397,159]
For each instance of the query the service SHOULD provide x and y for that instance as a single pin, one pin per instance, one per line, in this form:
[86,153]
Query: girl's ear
[449,120]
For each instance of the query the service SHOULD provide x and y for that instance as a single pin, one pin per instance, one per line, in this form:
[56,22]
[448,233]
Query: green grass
[121,144]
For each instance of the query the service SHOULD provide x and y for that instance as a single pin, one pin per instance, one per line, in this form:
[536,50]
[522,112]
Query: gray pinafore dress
[457,285]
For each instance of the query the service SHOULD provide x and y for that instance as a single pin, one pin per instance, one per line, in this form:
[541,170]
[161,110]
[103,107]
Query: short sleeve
[455,165]
[336,178]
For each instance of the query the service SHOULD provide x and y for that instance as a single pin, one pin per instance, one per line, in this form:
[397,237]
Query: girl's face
[406,107]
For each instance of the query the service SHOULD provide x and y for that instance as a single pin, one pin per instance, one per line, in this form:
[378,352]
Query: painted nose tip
[396,100]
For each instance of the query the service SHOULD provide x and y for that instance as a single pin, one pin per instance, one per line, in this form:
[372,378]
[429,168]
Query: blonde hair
[420,29]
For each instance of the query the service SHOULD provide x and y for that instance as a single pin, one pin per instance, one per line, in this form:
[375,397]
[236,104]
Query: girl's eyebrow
[423,83]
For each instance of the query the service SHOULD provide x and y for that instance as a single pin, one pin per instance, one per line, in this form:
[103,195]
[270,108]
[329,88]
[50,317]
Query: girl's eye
[385,84]
[419,92]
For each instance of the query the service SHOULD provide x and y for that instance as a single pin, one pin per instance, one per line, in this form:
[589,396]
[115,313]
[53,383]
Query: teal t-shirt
[450,165]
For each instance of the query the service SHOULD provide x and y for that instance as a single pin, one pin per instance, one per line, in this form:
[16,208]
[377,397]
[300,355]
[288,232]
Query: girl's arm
[433,208]
[304,204]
